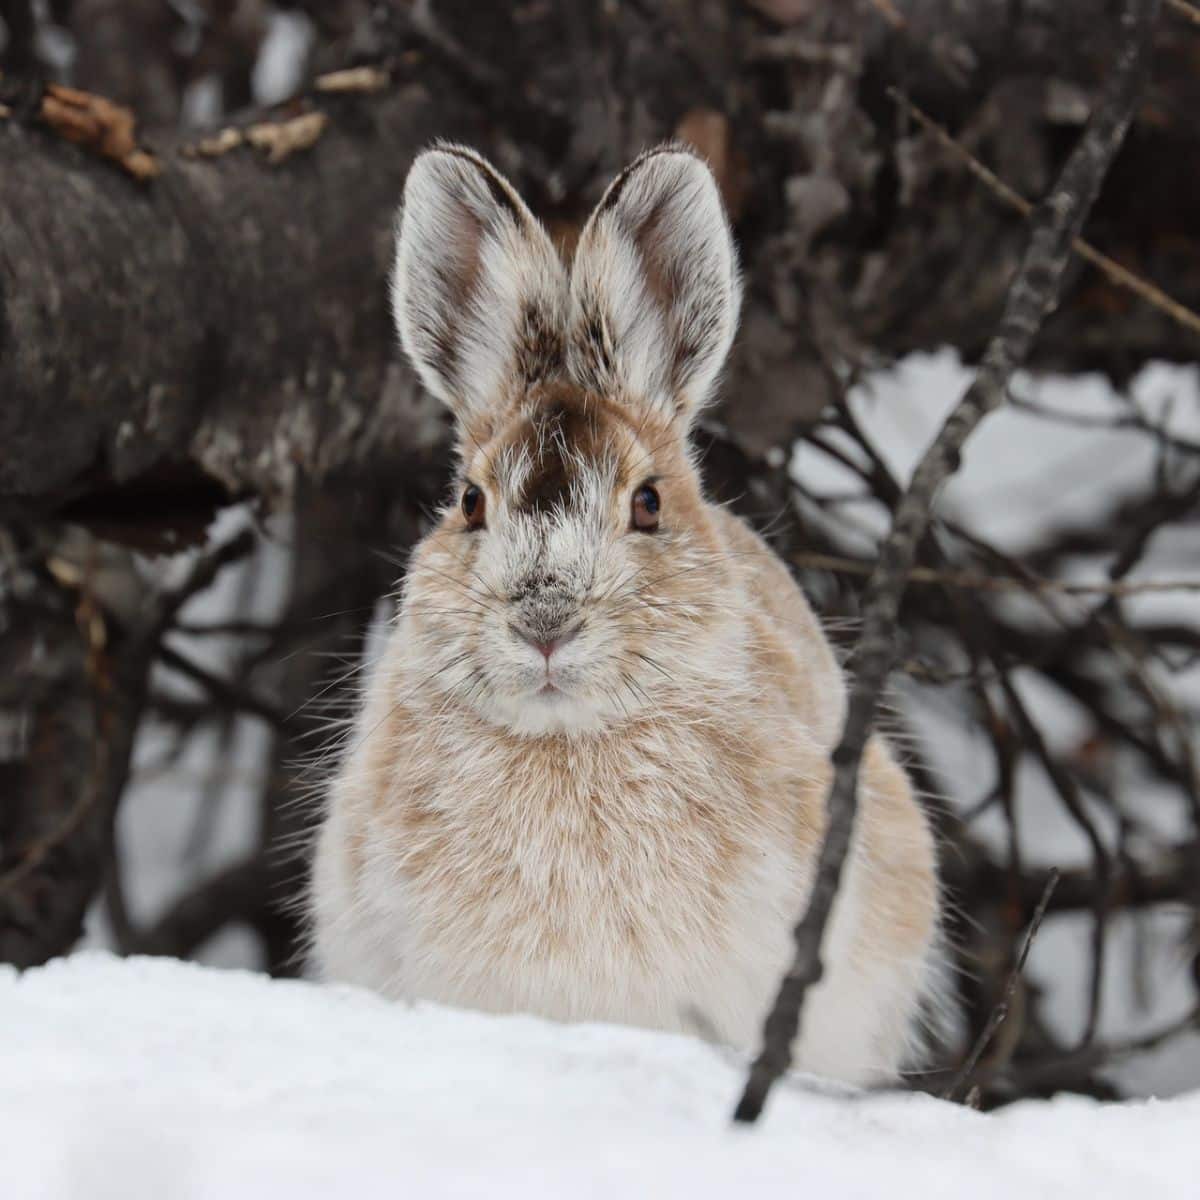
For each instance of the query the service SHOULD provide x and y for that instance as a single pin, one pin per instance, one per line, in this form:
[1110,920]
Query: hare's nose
[544,645]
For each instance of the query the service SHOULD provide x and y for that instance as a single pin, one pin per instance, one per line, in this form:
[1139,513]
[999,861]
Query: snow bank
[153,1078]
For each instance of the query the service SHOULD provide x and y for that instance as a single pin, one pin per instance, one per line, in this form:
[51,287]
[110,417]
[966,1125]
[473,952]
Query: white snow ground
[153,1078]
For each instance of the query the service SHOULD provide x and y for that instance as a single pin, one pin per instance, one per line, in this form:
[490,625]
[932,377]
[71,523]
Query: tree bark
[228,316]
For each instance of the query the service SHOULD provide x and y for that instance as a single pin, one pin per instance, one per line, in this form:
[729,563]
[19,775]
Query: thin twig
[1068,791]
[1189,12]
[1000,1012]
[201,573]
[237,893]
[1064,1070]
[890,13]
[1116,273]
[973,581]
[1032,294]
[222,690]
[33,855]
[1090,421]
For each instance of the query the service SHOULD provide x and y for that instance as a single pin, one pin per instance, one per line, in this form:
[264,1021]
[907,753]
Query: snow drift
[149,1077]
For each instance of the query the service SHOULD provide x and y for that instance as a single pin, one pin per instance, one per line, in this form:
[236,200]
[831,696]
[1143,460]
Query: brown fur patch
[539,345]
[563,428]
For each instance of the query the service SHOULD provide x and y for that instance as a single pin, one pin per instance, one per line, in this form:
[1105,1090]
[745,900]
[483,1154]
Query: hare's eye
[473,506]
[645,508]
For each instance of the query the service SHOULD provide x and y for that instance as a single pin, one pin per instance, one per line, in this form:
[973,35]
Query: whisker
[650,662]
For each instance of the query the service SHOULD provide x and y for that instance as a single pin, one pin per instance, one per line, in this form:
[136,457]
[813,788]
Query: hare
[588,776]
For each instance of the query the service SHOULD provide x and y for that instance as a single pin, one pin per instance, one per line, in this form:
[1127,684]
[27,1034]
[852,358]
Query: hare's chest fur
[607,879]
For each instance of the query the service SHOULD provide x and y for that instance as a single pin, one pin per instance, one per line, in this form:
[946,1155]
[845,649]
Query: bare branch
[1121,276]
[1031,296]
[972,581]
[1000,1012]
[223,690]
[238,893]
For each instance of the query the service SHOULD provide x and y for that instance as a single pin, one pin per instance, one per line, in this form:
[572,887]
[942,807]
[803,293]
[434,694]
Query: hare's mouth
[553,688]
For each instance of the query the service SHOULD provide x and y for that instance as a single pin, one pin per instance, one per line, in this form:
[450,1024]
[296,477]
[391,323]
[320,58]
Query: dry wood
[353,79]
[100,125]
[281,139]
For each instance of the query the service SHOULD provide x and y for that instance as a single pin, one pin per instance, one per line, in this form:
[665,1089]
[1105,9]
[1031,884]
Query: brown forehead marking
[564,427]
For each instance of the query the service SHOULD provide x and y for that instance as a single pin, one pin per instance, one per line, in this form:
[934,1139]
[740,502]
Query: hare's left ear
[655,287]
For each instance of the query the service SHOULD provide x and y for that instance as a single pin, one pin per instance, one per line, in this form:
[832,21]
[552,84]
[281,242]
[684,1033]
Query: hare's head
[576,573]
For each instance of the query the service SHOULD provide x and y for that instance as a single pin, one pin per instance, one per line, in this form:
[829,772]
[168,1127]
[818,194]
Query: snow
[150,1077]
[279,71]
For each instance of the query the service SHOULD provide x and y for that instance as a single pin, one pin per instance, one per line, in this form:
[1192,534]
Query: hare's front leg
[350,944]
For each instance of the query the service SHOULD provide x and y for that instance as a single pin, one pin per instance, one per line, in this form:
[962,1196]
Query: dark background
[211,461]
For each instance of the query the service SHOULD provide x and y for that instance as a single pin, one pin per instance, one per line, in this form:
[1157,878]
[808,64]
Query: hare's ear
[655,288]
[478,292]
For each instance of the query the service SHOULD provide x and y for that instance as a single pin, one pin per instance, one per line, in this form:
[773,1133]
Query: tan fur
[636,844]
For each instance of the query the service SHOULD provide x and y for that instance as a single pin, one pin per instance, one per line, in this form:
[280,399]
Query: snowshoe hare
[588,777]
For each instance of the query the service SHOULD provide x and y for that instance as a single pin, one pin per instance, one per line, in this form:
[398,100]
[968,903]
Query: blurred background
[212,461]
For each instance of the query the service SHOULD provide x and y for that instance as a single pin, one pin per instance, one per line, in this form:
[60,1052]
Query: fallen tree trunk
[227,319]
[227,314]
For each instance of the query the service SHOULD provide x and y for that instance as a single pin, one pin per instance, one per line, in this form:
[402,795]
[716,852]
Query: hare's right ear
[478,292]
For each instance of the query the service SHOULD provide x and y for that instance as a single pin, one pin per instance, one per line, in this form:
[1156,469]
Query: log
[226,321]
